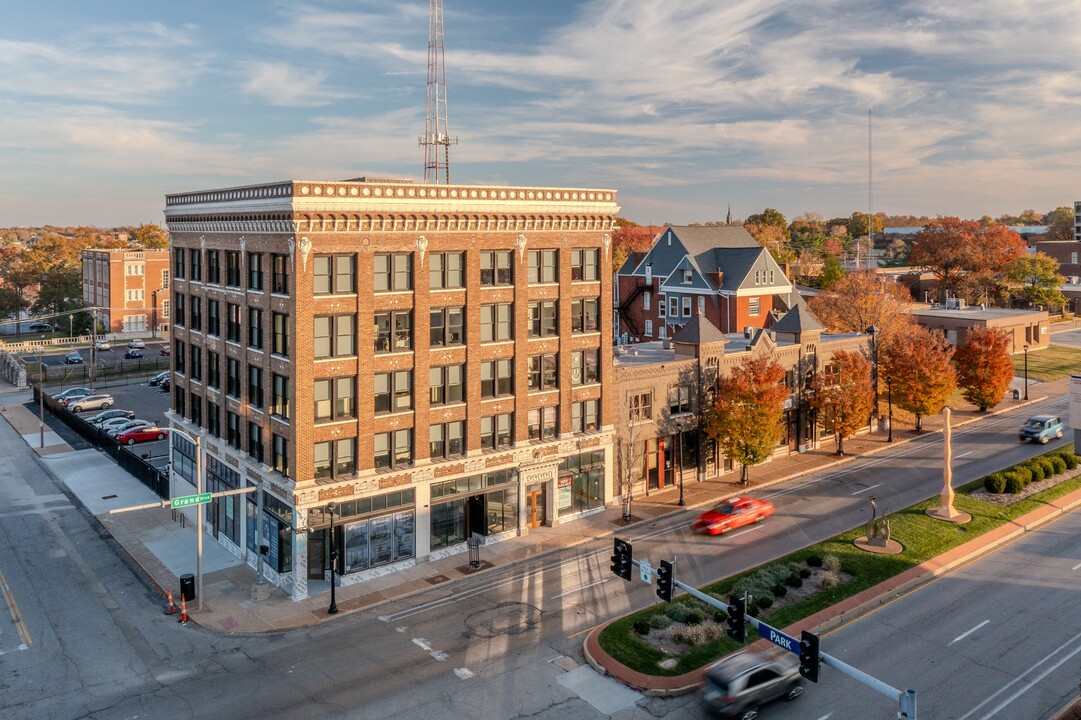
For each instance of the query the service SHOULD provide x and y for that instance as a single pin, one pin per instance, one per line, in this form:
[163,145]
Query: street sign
[646,571]
[778,638]
[188,500]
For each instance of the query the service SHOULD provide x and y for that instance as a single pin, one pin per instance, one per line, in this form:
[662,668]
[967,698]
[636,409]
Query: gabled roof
[798,319]
[699,331]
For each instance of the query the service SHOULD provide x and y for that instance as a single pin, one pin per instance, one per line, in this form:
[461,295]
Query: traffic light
[621,559]
[737,623]
[665,577]
[808,656]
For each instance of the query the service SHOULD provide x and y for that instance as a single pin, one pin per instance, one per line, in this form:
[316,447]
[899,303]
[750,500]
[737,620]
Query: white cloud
[286,86]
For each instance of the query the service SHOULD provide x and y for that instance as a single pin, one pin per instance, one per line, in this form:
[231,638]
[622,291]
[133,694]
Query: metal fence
[140,469]
[127,372]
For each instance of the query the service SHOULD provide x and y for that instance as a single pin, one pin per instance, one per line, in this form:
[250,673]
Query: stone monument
[947,511]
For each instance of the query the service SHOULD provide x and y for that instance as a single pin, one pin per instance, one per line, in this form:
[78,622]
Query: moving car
[73,392]
[1041,429]
[90,402]
[157,379]
[133,354]
[124,426]
[103,345]
[73,358]
[738,685]
[733,513]
[115,414]
[136,344]
[142,434]
[41,327]
[165,350]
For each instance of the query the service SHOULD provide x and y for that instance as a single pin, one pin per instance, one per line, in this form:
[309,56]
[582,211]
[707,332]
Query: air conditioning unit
[748,331]
[955,304]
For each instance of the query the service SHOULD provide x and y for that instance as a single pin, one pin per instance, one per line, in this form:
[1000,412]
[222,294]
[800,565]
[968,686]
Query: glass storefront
[485,504]
[580,486]
[380,538]
[277,531]
[222,513]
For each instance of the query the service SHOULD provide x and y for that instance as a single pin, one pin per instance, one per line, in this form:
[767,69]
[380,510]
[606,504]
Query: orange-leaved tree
[984,367]
[842,395]
[918,368]
[966,255]
[746,416]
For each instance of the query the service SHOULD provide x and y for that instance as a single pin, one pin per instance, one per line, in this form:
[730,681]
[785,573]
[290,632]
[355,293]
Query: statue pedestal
[944,513]
[878,546]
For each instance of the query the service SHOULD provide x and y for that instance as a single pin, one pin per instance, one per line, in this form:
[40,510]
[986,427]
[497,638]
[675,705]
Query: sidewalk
[164,548]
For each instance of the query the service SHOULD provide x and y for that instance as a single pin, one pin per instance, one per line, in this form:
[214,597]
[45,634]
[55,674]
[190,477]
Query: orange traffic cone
[171,609]
[183,610]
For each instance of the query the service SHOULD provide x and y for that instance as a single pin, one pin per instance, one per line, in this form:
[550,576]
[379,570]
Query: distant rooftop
[974,312]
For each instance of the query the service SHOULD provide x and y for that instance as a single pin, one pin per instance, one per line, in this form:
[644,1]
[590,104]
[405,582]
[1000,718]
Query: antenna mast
[436,131]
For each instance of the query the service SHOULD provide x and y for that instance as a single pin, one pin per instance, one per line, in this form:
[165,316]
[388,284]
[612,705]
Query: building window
[645,300]
[232,430]
[648,331]
[232,323]
[585,314]
[255,441]
[213,369]
[213,419]
[255,386]
[497,267]
[255,328]
[178,262]
[701,305]
[585,264]
[196,410]
[166,307]
[662,306]
[393,331]
[496,378]
[232,377]
[640,408]
[543,267]
[281,454]
[255,271]
[335,336]
[679,400]
[232,268]
[196,258]
[446,271]
[583,474]
[195,319]
[447,326]
[496,322]
[393,392]
[335,459]
[281,397]
[585,416]
[543,422]
[164,279]
[446,384]
[543,372]
[496,431]
[213,319]
[543,319]
[178,401]
[446,440]
[213,267]
[136,295]
[673,307]
[280,277]
[393,449]
[178,356]
[196,363]
[393,272]
[335,399]
[688,276]
[686,307]
[281,334]
[585,367]
[178,312]
[334,275]
[754,306]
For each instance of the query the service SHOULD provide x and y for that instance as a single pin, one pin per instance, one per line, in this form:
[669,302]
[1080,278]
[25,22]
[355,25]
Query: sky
[683,106]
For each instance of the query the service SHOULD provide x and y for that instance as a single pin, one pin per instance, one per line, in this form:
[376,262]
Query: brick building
[430,358]
[131,288]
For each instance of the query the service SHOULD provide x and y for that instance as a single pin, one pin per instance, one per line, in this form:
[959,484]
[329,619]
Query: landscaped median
[666,649]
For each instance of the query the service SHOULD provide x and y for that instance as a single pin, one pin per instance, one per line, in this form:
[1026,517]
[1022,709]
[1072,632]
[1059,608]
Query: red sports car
[142,434]
[733,513]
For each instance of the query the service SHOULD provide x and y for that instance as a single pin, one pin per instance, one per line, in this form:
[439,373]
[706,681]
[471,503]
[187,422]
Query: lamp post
[679,441]
[41,399]
[333,609]
[889,400]
[1026,371]
[197,442]
[874,367]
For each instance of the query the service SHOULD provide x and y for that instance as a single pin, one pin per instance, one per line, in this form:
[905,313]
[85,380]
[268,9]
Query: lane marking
[578,589]
[13,608]
[870,487]
[955,457]
[463,673]
[1029,685]
[1078,565]
[422,644]
[827,716]
[964,635]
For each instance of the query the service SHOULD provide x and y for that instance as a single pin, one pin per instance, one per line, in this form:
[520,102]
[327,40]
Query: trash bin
[474,551]
[1016,394]
[187,586]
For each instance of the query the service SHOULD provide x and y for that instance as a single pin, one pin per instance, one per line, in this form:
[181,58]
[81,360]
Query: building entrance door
[215,509]
[316,556]
[474,516]
[535,505]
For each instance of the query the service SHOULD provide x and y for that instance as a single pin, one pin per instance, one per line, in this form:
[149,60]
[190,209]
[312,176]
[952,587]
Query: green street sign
[187,500]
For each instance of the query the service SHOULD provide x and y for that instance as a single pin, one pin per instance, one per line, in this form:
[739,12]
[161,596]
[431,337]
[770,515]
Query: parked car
[73,392]
[733,513]
[103,345]
[165,350]
[41,327]
[157,379]
[91,402]
[136,344]
[133,354]
[114,414]
[114,430]
[1041,429]
[166,384]
[738,685]
[73,358]
[142,434]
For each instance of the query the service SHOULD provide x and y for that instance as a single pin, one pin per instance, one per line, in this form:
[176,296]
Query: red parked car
[734,513]
[142,434]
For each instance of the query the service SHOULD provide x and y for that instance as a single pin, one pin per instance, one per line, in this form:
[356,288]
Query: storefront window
[448,523]
[581,483]
[471,507]
[372,541]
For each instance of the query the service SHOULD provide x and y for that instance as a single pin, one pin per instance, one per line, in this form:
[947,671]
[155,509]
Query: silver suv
[738,685]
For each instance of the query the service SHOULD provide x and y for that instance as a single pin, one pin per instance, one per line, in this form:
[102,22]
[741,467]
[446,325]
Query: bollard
[183,610]
[171,609]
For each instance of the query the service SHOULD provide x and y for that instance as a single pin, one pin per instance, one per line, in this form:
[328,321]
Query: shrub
[1015,483]
[1036,468]
[1069,458]
[794,581]
[1024,473]
[659,621]
[679,636]
[641,626]
[804,573]
[994,483]
[1047,465]
[677,611]
[779,591]
[703,634]
[695,617]
[720,616]
[764,602]
[1057,463]
[828,579]
[814,561]
[696,604]
[831,563]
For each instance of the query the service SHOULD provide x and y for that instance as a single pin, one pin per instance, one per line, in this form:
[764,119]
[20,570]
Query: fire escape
[624,310]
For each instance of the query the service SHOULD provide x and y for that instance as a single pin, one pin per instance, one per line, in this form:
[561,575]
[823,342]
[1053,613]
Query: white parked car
[136,344]
[103,345]
[91,402]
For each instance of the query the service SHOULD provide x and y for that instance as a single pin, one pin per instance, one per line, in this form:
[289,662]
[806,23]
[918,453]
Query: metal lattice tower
[436,132]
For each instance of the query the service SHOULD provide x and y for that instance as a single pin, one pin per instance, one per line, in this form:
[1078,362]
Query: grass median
[923,538]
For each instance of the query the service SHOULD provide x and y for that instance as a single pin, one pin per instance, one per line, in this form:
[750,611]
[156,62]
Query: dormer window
[688,276]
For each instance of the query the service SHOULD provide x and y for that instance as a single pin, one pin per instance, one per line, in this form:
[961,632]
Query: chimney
[718,277]
[649,273]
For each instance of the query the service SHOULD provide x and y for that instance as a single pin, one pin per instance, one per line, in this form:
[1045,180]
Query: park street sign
[778,638]
[188,500]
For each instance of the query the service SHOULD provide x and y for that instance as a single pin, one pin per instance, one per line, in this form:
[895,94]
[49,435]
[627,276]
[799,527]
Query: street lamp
[197,442]
[874,367]
[889,400]
[679,440]
[1026,371]
[333,609]
[41,399]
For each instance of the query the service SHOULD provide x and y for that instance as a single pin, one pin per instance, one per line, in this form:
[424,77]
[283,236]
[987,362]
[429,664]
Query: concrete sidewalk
[164,547]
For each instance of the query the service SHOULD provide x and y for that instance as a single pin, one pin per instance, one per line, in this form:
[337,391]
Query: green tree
[1060,224]
[769,216]
[842,395]
[857,224]
[918,365]
[984,367]
[832,271]
[747,411]
[1035,279]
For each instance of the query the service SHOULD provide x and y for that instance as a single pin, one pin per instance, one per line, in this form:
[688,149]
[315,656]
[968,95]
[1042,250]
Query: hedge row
[1015,479]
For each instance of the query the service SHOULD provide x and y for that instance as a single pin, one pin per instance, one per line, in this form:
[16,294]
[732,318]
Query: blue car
[1041,429]
[133,354]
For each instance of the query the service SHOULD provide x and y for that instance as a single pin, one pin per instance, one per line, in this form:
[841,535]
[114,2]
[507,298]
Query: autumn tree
[628,239]
[863,299]
[842,395]
[917,363]
[1035,279]
[747,411]
[965,255]
[1060,224]
[857,224]
[808,223]
[769,216]
[984,367]
[151,237]
[773,239]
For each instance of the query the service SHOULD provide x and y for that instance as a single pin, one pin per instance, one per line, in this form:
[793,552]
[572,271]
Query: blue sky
[684,106]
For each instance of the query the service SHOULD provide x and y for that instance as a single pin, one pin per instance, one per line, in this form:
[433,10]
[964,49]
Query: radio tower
[436,132]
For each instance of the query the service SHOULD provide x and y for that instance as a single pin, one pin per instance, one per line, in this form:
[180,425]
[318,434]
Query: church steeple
[728,219]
